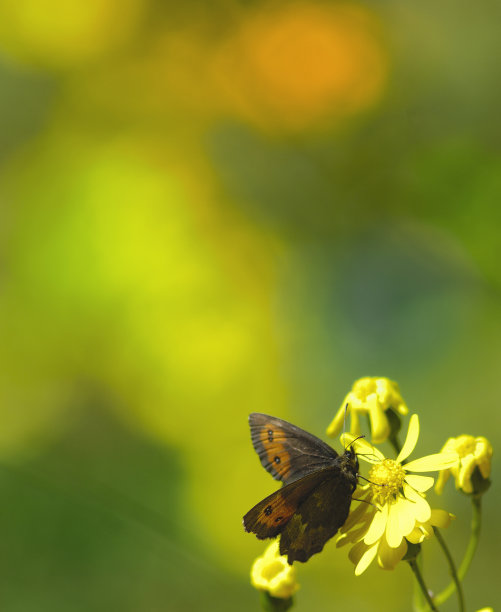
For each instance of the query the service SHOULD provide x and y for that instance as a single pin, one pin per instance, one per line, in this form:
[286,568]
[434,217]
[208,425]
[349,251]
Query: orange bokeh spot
[302,64]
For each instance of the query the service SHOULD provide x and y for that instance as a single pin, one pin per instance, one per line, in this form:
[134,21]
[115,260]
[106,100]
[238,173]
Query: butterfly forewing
[287,452]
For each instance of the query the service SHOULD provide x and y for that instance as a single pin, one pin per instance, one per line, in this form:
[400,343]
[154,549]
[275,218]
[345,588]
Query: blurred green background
[214,208]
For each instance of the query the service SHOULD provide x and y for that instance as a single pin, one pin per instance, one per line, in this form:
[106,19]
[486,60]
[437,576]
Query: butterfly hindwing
[317,518]
[287,452]
[269,518]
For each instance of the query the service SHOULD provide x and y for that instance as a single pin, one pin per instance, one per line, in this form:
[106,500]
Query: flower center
[387,479]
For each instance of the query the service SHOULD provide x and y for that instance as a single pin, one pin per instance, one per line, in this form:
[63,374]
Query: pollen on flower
[387,478]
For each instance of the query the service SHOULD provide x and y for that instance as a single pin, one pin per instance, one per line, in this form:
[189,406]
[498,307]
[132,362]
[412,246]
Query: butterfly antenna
[353,441]
[367,455]
[365,501]
[344,421]
[377,484]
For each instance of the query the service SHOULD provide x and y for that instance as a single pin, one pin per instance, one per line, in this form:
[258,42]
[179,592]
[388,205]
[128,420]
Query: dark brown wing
[286,451]
[317,518]
[269,518]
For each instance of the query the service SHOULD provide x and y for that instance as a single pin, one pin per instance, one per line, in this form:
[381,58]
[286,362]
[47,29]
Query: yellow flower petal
[406,519]
[389,557]
[421,532]
[483,455]
[404,522]
[356,552]
[355,535]
[355,516]
[432,463]
[468,465]
[443,477]
[366,559]
[343,539]
[377,526]
[415,536]
[484,465]
[393,533]
[420,483]
[380,428]
[417,505]
[440,518]
[337,422]
[410,440]
[346,539]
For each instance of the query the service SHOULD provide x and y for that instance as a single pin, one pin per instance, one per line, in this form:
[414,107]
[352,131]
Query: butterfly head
[349,462]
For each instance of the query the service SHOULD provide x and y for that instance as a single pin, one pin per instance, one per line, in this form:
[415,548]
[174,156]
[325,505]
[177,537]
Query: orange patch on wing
[280,459]
[268,434]
[277,512]
[276,452]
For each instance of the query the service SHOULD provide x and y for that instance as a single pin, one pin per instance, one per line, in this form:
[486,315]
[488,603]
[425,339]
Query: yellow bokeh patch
[61,34]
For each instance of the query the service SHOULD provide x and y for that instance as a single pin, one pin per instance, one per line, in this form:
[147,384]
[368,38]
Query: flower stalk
[420,580]
[275,604]
[452,568]
[476,523]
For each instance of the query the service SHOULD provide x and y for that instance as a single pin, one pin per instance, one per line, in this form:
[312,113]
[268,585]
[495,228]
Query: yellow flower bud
[372,396]
[273,574]
[472,453]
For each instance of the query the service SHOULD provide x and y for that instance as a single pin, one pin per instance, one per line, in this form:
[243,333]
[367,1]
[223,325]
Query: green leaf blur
[209,209]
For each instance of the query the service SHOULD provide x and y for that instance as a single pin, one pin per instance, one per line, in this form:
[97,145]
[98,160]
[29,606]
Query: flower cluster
[396,511]
[393,513]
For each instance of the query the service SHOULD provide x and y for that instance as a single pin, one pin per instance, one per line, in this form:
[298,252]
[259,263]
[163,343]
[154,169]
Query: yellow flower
[372,396]
[472,452]
[272,573]
[398,512]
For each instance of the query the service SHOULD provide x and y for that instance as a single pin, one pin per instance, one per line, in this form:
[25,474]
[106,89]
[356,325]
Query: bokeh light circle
[303,64]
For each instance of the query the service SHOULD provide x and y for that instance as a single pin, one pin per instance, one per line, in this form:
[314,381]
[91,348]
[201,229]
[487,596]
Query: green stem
[476,522]
[275,604]
[422,584]
[419,602]
[452,568]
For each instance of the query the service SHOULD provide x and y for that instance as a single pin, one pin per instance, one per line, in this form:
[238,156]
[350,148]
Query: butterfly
[315,498]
